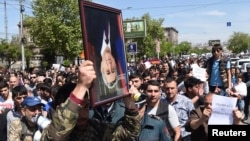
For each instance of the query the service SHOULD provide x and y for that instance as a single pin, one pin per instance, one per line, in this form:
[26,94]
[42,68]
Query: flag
[228,23]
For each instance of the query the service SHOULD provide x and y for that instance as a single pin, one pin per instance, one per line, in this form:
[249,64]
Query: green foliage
[239,42]
[183,48]
[166,48]
[55,26]
[10,52]
[147,45]
[66,63]
[45,64]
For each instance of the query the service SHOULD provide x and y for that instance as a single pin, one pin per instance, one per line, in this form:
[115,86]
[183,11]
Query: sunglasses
[150,91]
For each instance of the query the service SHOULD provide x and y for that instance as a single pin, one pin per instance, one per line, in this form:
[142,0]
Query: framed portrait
[103,41]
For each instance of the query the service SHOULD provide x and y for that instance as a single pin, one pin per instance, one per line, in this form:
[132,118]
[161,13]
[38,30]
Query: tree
[239,42]
[183,48]
[9,52]
[55,26]
[147,45]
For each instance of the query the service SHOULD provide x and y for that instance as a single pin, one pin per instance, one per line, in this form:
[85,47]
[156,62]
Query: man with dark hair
[194,90]
[181,104]
[153,127]
[6,101]
[219,72]
[158,107]
[18,95]
[136,80]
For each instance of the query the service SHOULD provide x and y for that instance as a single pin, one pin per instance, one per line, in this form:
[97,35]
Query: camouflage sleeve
[15,130]
[63,122]
[129,129]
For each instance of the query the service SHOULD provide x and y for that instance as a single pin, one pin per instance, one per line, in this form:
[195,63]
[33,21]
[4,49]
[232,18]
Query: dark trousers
[212,88]
[247,101]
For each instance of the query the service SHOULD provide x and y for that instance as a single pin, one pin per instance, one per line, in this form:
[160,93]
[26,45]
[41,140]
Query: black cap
[141,100]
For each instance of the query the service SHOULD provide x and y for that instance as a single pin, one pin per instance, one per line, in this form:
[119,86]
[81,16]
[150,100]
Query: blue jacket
[153,129]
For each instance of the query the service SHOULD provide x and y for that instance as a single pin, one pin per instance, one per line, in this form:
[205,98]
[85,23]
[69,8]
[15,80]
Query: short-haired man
[18,95]
[136,80]
[194,90]
[153,127]
[156,106]
[6,101]
[219,72]
[182,105]
[13,82]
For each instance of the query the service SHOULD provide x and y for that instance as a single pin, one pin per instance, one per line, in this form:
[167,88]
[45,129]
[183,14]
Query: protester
[153,127]
[246,79]
[219,73]
[182,105]
[6,101]
[65,117]
[197,122]
[18,95]
[90,129]
[157,106]
[194,90]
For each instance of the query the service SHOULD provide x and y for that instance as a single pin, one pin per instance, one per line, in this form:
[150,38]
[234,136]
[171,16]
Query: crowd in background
[173,104]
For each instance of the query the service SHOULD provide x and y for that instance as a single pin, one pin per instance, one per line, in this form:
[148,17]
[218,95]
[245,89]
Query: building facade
[171,35]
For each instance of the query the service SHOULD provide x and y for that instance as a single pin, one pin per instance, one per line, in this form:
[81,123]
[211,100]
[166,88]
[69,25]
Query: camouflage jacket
[63,121]
[126,130]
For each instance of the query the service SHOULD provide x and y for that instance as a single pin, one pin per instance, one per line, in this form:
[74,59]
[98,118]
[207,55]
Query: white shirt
[9,103]
[172,115]
[241,88]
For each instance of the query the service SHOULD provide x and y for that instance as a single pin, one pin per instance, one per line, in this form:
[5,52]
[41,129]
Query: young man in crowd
[158,107]
[153,128]
[182,105]
[219,72]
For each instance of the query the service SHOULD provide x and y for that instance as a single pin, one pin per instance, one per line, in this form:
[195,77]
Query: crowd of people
[165,102]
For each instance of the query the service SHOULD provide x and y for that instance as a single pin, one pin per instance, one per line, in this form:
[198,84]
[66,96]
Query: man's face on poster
[108,66]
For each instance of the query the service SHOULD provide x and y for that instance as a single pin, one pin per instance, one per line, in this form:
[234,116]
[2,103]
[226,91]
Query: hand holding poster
[222,113]
[104,46]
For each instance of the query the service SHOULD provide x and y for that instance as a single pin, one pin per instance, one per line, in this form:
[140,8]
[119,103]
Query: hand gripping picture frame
[103,40]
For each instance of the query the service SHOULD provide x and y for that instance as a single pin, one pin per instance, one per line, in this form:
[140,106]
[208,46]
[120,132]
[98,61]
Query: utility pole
[21,34]
[6,22]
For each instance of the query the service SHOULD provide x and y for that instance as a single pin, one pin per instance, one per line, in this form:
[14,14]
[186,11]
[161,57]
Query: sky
[196,21]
